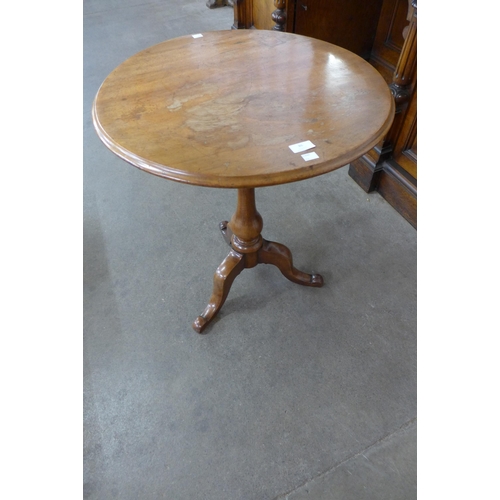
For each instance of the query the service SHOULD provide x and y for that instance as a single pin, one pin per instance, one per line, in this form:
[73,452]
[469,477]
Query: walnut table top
[221,110]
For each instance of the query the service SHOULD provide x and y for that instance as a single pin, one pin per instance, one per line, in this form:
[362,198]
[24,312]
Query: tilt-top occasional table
[221,109]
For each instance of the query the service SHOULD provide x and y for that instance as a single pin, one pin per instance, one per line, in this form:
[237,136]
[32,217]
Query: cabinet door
[351,24]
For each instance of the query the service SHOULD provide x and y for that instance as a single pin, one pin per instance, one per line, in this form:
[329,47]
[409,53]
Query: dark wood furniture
[384,32]
[221,110]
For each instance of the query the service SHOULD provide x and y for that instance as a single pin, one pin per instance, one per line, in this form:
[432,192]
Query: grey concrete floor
[295,392]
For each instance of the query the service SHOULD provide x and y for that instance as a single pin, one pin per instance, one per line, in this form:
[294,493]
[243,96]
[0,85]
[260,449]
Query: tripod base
[247,252]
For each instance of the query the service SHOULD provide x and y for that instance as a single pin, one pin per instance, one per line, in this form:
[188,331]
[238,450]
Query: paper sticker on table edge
[310,156]
[302,146]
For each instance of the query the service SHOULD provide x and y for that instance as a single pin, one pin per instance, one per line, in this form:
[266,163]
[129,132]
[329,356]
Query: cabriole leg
[280,256]
[232,265]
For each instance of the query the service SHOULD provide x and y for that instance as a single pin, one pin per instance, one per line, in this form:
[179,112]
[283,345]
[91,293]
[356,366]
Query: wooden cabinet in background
[391,168]
[348,23]
[384,32]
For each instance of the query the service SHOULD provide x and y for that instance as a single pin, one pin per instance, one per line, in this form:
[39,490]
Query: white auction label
[310,156]
[199,35]
[301,146]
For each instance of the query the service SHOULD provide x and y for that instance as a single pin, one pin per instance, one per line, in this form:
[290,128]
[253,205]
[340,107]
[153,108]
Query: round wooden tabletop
[222,109]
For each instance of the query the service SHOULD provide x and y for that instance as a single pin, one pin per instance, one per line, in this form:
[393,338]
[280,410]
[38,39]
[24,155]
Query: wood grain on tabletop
[221,110]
